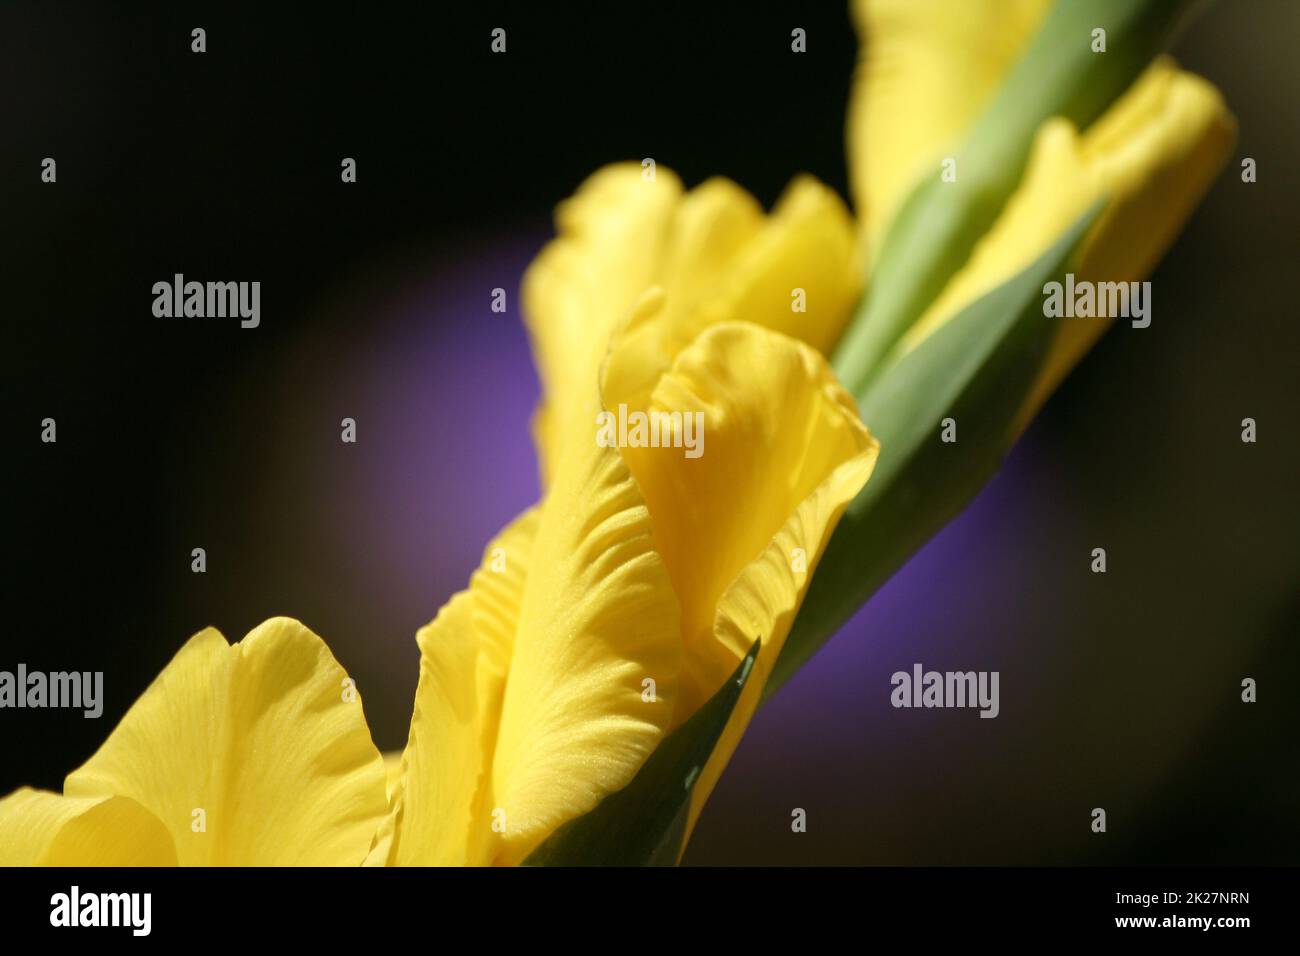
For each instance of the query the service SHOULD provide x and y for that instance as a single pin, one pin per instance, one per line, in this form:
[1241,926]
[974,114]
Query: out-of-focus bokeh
[1118,691]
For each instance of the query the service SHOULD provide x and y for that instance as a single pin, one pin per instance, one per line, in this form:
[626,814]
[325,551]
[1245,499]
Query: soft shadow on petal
[39,828]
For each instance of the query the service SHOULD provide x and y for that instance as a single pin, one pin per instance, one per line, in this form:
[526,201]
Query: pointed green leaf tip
[644,823]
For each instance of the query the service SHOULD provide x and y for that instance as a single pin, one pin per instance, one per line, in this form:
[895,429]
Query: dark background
[1119,690]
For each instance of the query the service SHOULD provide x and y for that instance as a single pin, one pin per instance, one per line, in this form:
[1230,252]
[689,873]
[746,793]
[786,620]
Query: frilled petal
[597,620]
[531,706]
[711,225]
[252,754]
[742,526]
[1152,156]
[604,617]
[39,828]
[715,256]
[795,275]
[612,234]
[926,70]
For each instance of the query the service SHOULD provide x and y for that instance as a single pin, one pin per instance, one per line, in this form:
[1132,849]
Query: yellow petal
[530,709]
[381,850]
[597,619]
[742,526]
[1157,177]
[266,738]
[562,639]
[1152,155]
[38,828]
[712,224]
[926,70]
[797,275]
[465,652]
[611,237]
[712,251]
[437,809]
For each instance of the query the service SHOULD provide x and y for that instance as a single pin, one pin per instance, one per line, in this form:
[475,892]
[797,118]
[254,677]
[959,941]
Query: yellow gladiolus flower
[604,617]
[533,676]
[252,754]
[601,619]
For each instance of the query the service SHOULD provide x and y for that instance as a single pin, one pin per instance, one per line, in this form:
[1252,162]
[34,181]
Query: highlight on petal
[253,754]
[1152,156]
[926,70]
[713,252]
[39,828]
[742,526]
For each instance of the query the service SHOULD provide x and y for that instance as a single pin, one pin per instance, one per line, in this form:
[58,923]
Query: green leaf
[938,226]
[977,368]
[644,823]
